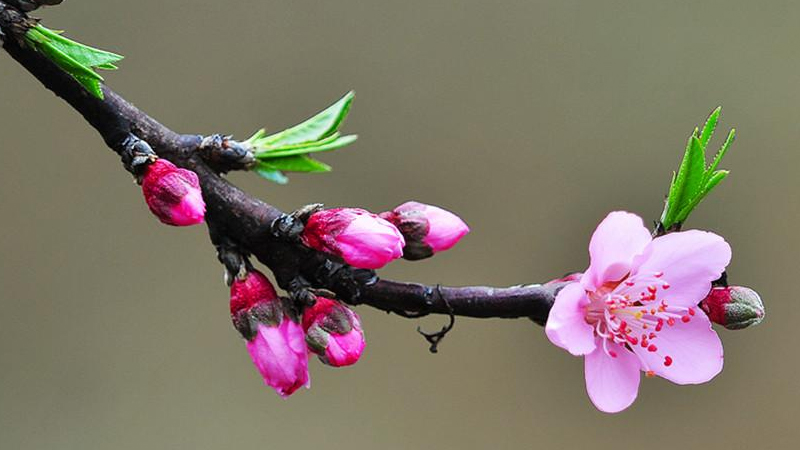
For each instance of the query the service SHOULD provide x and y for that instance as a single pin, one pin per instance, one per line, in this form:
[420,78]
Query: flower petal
[616,241]
[690,261]
[612,383]
[693,347]
[566,325]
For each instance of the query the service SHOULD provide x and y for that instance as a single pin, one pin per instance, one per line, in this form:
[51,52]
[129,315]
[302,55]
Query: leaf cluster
[78,60]
[694,179]
[289,150]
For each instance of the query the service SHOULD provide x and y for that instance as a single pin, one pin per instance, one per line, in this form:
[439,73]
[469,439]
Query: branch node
[224,154]
[136,155]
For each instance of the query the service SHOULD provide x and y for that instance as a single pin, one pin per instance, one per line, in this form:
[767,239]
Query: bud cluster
[368,241]
[280,343]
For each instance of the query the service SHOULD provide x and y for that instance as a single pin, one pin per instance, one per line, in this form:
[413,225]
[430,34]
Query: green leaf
[713,181]
[274,175]
[339,142]
[300,163]
[694,181]
[678,187]
[713,167]
[83,54]
[317,127]
[709,127]
[288,150]
[695,171]
[77,59]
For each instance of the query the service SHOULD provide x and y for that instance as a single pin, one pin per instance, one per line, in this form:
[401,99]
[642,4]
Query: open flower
[635,309]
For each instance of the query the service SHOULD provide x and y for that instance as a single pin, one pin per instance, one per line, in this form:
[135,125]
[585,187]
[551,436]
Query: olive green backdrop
[531,119]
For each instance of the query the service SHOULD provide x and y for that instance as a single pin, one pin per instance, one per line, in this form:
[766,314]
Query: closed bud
[734,307]
[333,331]
[358,237]
[173,194]
[276,342]
[427,229]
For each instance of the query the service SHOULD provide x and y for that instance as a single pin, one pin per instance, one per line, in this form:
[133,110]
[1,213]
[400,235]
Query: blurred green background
[531,119]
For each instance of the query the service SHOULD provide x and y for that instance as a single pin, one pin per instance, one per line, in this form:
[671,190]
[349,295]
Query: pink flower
[427,229]
[359,237]
[173,194]
[333,332]
[276,342]
[635,309]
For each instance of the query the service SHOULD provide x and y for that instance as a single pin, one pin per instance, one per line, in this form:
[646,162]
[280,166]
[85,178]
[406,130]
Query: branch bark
[242,223]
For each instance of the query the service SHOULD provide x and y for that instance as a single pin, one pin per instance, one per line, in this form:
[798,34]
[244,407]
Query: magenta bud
[358,237]
[276,342]
[333,332]
[173,194]
[734,307]
[427,229]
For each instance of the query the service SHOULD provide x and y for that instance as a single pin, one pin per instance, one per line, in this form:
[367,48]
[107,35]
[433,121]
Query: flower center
[632,313]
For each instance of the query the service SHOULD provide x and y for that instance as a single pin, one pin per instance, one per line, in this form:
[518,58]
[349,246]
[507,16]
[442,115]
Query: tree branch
[242,223]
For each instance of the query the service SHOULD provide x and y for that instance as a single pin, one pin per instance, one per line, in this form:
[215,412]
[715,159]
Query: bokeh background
[531,119]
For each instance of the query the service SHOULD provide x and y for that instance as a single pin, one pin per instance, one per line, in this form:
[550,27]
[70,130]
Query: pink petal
[345,349]
[616,241]
[694,348]
[689,260]
[370,242]
[612,383]
[566,325]
[280,355]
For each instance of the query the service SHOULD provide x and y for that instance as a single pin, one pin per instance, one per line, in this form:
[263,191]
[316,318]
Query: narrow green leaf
[270,149]
[709,127]
[77,59]
[678,185]
[83,54]
[696,171]
[338,143]
[713,181]
[271,174]
[299,163]
[666,210]
[718,157]
[317,127]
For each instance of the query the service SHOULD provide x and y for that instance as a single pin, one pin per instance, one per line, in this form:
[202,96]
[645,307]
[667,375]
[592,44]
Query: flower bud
[734,307]
[276,342]
[359,237]
[173,194]
[427,229]
[333,331]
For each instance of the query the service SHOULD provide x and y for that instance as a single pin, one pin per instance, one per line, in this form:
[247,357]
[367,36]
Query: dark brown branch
[241,223]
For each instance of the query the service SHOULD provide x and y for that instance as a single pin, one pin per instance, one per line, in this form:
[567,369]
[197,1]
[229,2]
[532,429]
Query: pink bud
[280,354]
[734,307]
[333,331]
[276,342]
[173,194]
[427,229]
[359,237]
